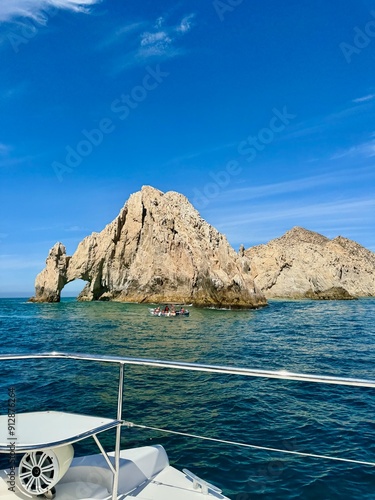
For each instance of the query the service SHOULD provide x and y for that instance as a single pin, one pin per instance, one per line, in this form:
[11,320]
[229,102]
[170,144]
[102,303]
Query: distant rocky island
[160,250]
[305,264]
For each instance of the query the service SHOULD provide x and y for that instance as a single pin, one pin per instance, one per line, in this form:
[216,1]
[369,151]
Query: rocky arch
[62,269]
[73,288]
[158,249]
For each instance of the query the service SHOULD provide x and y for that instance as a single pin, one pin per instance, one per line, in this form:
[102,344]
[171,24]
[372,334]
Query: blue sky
[261,112]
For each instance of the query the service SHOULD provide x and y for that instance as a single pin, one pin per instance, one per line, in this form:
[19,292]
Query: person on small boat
[157,310]
[166,309]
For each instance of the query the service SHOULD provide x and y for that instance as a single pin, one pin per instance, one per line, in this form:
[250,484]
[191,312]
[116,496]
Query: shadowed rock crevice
[158,249]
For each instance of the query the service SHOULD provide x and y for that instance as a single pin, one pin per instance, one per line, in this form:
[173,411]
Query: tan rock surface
[158,249]
[303,261]
[53,277]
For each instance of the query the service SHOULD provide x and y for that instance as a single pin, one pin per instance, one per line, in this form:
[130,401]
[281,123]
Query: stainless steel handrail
[180,365]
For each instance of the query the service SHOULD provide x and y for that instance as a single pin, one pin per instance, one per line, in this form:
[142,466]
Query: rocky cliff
[158,249]
[303,263]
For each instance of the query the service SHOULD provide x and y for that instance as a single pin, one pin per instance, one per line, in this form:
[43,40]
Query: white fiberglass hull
[144,473]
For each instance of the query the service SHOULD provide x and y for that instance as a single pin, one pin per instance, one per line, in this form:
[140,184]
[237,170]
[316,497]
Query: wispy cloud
[321,124]
[203,152]
[122,33]
[76,229]
[5,149]
[337,210]
[160,38]
[9,157]
[365,98]
[12,92]
[365,149]
[279,188]
[8,262]
[300,186]
[185,24]
[156,40]
[259,223]
[13,9]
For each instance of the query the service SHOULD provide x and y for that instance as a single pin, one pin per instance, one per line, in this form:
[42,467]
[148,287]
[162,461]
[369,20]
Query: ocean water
[332,338]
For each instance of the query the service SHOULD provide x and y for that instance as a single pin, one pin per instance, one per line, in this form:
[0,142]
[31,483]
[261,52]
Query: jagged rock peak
[298,234]
[158,249]
[303,263]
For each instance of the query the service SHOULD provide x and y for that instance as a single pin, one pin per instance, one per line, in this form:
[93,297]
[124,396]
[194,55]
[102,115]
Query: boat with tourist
[169,311]
[48,469]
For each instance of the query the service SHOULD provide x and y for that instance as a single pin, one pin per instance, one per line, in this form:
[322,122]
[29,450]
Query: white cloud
[185,24]
[365,98]
[12,9]
[121,33]
[155,43]
[159,40]
[152,38]
[366,149]
[344,153]
[156,40]
[259,223]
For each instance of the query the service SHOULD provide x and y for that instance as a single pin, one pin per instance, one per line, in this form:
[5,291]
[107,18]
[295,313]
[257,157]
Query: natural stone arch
[73,288]
[158,249]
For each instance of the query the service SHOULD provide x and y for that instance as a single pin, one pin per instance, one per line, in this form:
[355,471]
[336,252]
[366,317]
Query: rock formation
[158,249]
[334,293]
[303,264]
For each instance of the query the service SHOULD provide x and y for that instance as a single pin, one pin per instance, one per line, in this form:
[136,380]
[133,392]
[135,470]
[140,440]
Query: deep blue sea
[331,338]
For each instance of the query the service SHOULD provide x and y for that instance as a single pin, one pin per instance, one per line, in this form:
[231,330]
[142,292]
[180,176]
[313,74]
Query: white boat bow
[48,468]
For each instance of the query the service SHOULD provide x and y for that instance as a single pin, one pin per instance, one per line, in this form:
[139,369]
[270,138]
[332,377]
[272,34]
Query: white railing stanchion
[118,432]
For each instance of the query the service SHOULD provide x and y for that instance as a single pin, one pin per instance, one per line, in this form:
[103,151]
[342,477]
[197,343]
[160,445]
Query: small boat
[168,311]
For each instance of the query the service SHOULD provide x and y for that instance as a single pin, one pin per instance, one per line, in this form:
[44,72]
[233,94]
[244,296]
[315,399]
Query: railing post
[118,433]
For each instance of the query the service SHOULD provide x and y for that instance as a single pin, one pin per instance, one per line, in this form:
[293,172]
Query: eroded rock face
[304,262]
[52,279]
[158,249]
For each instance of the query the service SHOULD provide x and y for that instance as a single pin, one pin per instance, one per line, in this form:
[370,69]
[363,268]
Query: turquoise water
[332,338]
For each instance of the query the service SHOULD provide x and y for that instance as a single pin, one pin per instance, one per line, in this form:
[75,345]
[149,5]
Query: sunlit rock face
[158,249]
[303,264]
[52,279]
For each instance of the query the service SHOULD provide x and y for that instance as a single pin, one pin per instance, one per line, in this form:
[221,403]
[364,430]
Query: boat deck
[145,474]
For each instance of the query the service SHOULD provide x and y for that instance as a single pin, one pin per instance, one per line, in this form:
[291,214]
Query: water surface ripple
[330,338]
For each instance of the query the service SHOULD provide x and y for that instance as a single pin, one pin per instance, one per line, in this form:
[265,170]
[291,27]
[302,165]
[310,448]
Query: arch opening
[73,288]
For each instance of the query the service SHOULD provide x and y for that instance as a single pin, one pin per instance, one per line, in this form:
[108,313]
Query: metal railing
[179,365]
